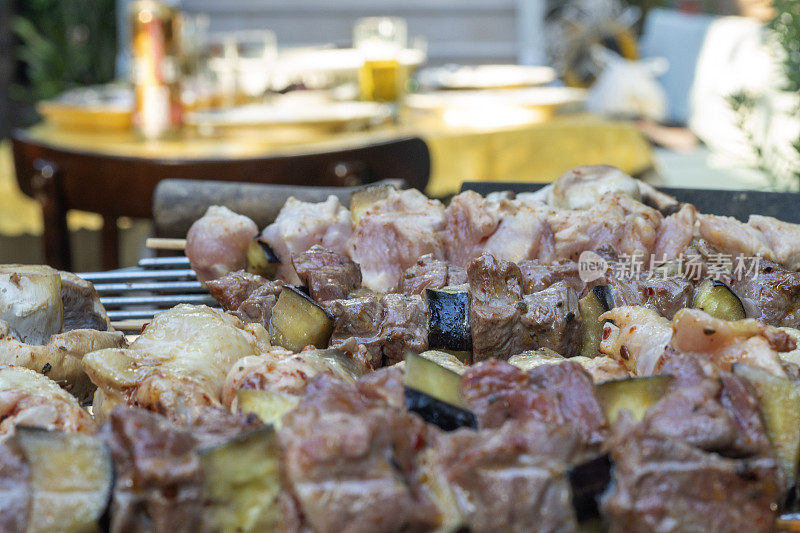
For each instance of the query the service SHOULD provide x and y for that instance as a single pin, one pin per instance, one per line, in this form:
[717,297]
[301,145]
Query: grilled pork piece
[393,233]
[359,319]
[666,296]
[507,479]
[350,459]
[537,276]
[247,296]
[495,289]
[30,301]
[430,273]
[469,221]
[404,327]
[745,341]
[669,485]
[177,366]
[28,398]
[615,220]
[700,460]
[301,225]
[387,328]
[557,394]
[503,322]
[636,336]
[216,244]
[328,275]
[769,292]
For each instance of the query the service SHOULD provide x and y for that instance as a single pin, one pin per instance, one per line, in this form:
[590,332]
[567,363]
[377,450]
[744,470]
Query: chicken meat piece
[393,233]
[782,237]
[732,237]
[177,366]
[61,358]
[81,305]
[28,398]
[30,301]
[727,342]
[523,233]
[616,221]
[636,336]
[216,244]
[674,234]
[582,187]
[283,371]
[301,225]
[469,221]
[644,340]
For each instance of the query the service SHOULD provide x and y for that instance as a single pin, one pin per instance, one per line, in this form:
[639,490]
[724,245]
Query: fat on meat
[216,244]
[300,225]
[616,220]
[393,234]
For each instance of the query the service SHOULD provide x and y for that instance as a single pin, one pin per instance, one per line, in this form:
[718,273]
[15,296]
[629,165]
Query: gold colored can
[155,68]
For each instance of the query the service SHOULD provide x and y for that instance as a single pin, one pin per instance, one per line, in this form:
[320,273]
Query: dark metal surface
[738,204]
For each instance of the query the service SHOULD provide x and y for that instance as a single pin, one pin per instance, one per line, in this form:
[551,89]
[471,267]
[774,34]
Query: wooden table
[539,150]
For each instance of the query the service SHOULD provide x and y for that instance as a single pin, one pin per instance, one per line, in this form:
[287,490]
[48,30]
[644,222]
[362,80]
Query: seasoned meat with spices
[551,319]
[360,319]
[560,393]
[507,479]
[350,459]
[430,273]
[393,233]
[495,289]
[247,296]
[328,275]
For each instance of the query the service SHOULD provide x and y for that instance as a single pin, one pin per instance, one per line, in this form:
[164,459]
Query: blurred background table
[519,146]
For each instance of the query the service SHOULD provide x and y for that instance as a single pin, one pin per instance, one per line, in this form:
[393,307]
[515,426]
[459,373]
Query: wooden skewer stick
[165,244]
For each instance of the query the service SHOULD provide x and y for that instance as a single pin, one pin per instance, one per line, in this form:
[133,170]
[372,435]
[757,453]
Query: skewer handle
[166,244]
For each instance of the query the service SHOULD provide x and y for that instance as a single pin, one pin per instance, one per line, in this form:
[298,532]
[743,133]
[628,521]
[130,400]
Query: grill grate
[132,296]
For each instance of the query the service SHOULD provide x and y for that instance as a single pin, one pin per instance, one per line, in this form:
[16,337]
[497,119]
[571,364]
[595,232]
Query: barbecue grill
[132,296]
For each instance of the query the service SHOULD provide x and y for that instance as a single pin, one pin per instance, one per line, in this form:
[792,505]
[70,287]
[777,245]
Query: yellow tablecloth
[537,152]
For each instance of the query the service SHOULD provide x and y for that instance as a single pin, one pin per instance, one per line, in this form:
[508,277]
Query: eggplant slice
[636,395]
[71,477]
[268,405]
[449,319]
[780,405]
[261,259]
[242,484]
[718,300]
[298,321]
[434,392]
[591,307]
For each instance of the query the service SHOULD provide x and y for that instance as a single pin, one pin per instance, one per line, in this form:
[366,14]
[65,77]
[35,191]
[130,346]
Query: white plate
[485,76]
[528,98]
[316,114]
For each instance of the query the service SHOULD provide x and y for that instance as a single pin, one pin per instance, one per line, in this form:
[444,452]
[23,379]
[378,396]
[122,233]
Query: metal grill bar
[136,275]
[163,287]
[164,262]
[158,300]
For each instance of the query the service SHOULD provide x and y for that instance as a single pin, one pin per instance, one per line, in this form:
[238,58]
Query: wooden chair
[115,186]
